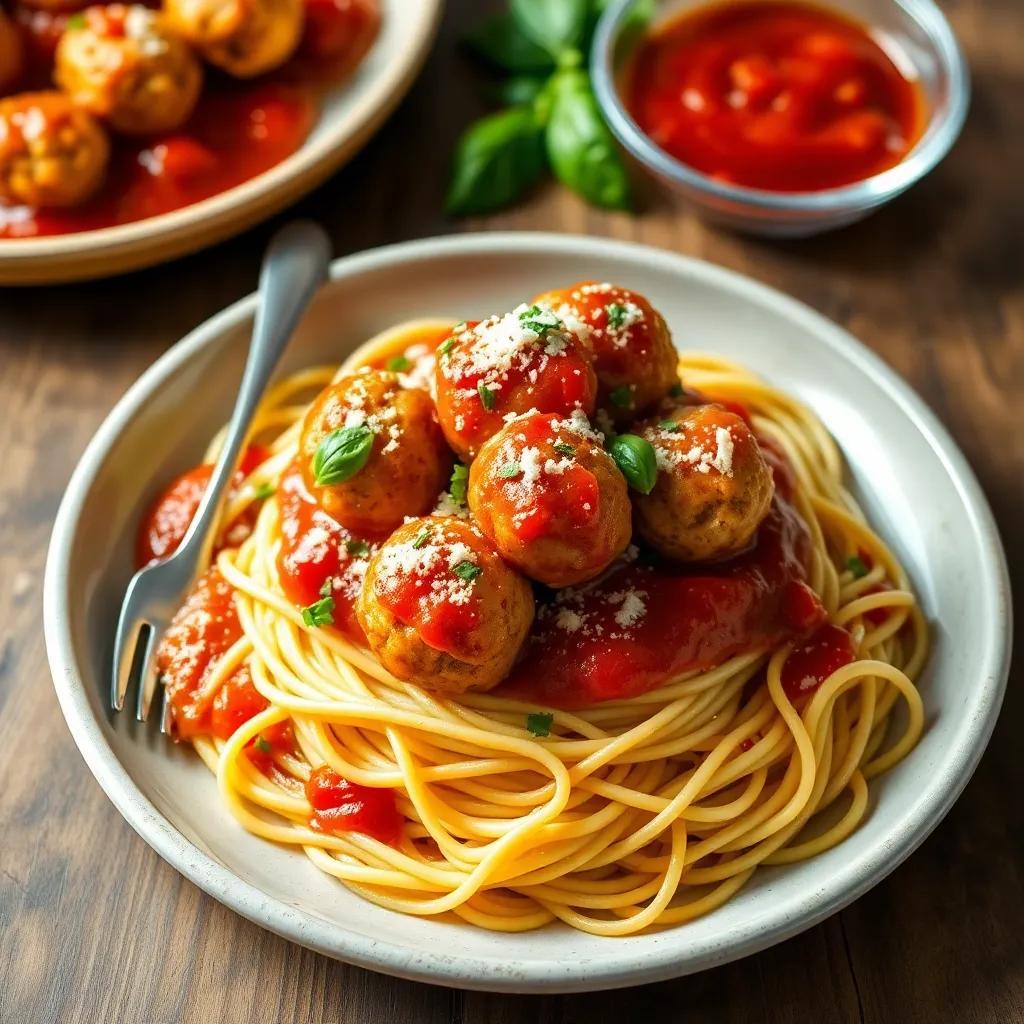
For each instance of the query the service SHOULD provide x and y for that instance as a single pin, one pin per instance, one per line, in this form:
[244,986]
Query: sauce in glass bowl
[774,95]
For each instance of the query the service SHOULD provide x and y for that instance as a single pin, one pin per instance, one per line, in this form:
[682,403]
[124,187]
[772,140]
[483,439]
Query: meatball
[122,63]
[51,153]
[714,485]
[12,55]
[441,609]
[634,358]
[551,499]
[244,37]
[508,365]
[372,452]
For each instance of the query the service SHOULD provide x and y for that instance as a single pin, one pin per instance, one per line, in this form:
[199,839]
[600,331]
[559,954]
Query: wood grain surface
[96,928]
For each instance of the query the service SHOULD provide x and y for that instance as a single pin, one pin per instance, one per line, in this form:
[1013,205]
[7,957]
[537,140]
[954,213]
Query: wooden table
[96,928]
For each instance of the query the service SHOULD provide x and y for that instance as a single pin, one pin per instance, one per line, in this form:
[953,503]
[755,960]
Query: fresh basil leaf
[509,470]
[467,571]
[486,396]
[635,457]
[540,722]
[497,159]
[319,613]
[581,149]
[399,364]
[459,483]
[501,42]
[517,91]
[556,25]
[622,397]
[341,454]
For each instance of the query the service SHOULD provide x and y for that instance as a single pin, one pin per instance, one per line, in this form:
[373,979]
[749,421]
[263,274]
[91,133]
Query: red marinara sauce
[318,557]
[773,95]
[169,517]
[343,806]
[203,630]
[239,129]
[648,621]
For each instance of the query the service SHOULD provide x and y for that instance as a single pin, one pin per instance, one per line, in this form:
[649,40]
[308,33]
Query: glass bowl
[914,32]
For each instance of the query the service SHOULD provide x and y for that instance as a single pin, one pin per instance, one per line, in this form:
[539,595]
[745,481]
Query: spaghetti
[618,816]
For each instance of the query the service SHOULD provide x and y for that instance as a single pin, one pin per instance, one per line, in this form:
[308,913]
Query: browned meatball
[551,499]
[12,52]
[244,37]
[635,360]
[507,365]
[122,63]
[441,609]
[51,153]
[713,488]
[373,453]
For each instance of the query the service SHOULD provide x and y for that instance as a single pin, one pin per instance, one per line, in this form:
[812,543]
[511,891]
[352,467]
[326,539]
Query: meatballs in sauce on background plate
[114,117]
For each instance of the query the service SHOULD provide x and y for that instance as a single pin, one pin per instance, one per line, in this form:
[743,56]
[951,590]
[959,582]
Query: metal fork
[293,269]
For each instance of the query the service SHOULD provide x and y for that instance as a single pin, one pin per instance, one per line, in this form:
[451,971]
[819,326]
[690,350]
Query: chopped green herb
[399,364]
[319,613]
[486,396]
[509,470]
[467,571]
[422,537]
[262,745]
[564,448]
[622,397]
[616,315]
[342,454]
[538,320]
[635,457]
[263,491]
[327,587]
[76,21]
[540,722]
[670,425]
[458,484]
[446,346]
[857,567]
[358,548]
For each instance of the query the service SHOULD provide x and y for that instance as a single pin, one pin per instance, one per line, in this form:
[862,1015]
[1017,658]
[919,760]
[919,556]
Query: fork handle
[294,267]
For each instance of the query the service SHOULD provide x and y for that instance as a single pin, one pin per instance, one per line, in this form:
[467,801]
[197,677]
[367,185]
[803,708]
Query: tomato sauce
[780,96]
[811,663]
[239,130]
[318,557]
[342,806]
[168,519]
[694,618]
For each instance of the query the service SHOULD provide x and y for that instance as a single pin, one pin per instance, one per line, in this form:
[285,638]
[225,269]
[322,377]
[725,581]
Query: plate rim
[292,177]
[921,816]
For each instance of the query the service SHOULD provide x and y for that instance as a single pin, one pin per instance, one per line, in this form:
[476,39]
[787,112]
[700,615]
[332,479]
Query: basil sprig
[341,454]
[552,118]
[636,459]
[581,149]
[496,160]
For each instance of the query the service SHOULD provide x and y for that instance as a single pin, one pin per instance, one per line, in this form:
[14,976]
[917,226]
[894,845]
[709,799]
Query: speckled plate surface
[350,113]
[911,478]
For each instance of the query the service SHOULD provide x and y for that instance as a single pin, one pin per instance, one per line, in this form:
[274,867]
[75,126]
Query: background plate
[350,112]
[910,477]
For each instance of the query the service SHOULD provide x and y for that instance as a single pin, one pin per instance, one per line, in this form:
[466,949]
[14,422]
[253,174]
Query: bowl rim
[662,960]
[311,162]
[935,142]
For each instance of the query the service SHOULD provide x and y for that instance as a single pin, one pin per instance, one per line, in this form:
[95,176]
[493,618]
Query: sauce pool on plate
[780,96]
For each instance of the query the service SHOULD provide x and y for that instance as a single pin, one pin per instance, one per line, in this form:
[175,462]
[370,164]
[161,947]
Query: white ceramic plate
[350,113]
[912,480]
